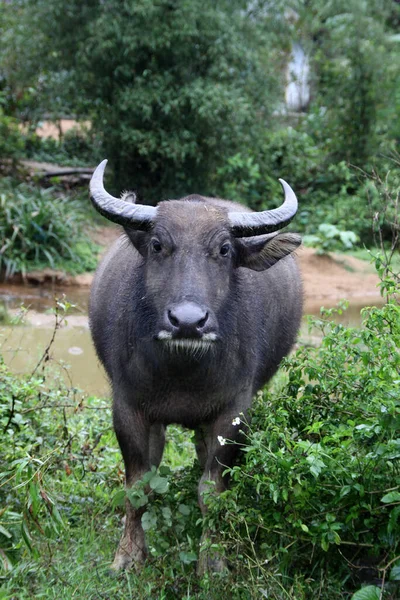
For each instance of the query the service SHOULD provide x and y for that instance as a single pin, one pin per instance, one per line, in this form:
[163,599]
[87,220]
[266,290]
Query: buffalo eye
[225,249]
[156,246]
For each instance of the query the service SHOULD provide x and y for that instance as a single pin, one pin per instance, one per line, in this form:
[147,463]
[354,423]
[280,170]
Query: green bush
[252,177]
[316,497]
[43,456]
[41,228]
[11,143]
[329,239]
[339,195]
[354,75]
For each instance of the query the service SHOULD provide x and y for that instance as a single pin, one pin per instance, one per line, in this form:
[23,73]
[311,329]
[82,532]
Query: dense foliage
[11,143]
[188,97]
[41,228]
[320,474]
[312,510]
[170,87]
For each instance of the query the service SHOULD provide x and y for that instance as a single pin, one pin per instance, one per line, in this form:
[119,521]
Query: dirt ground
[328,279]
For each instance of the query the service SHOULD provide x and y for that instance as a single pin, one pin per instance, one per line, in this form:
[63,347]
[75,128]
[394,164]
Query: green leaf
[391,497]
[187,557]
[184,509]
[370,592]
[148,476]
[345,490]
[149,521]
[56,518]
[316,465]
[167,514]
[393,518]
[34,497]
[164,470]
[5,532]
[26,536]
[325,544]
[159,484]
[395,573]
[118,499]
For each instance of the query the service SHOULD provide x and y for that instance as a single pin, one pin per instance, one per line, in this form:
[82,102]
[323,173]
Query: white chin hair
[195,348]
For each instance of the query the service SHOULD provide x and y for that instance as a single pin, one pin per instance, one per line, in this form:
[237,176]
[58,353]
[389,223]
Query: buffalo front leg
[140,444]
[215,454]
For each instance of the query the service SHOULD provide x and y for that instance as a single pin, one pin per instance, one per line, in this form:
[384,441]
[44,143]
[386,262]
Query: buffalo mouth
[188,345]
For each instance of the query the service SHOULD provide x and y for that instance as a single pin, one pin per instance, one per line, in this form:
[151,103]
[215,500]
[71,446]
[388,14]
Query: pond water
[73,352]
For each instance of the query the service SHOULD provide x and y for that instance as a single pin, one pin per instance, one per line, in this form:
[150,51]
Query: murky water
[73,352]
[41,298]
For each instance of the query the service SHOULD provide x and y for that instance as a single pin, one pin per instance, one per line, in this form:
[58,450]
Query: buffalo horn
[117,210]
[247,224]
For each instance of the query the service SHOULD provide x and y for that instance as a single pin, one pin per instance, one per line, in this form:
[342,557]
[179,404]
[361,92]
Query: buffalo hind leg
[140,443]
[214,456]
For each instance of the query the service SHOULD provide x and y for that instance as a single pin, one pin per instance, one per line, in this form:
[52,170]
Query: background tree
[350,48]
[173,88]
[188,96]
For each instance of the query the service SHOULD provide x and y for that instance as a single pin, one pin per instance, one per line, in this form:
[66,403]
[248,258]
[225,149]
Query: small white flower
[221,440]
[236,421]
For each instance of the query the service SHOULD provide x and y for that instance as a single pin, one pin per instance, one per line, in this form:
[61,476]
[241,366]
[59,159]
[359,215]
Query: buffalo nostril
[173,320]
[187,318]
[202,321]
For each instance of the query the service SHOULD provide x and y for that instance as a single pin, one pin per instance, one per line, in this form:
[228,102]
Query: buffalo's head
[192,250]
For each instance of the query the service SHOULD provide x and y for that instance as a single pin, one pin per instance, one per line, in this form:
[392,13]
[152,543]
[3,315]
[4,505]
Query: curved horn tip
[284,183]
[101,166]
[98,176]
[289,193]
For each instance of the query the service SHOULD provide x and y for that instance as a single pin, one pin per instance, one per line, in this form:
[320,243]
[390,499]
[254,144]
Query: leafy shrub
[39,228]
[78,144]
[252,177]
[172,517]
[239,180]
[11,143]
[312,511]
[333,198]
[41,454]
[317,492]
[329,238]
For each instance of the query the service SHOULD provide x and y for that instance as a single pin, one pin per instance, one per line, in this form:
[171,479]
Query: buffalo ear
[262,252]
[138,238]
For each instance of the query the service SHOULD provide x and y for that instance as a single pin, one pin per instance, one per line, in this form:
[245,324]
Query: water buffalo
[191,312]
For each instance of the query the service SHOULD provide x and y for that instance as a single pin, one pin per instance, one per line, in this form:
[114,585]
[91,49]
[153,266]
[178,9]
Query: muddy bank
[337,276]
